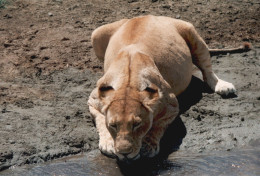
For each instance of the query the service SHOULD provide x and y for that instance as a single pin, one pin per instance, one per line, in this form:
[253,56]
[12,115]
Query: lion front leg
[150,146]
[151,142]
[106,142]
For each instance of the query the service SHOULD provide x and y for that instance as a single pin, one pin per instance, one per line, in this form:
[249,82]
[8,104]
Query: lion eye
[105,88]
[113,126]
[136,125]
[151,90]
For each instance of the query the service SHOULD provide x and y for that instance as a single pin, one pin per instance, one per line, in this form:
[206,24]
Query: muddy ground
[48,69]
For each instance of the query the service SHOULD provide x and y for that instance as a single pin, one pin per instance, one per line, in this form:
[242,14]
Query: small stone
[131,1]
[6,45]
[198,118]
[4,110]
[97,66]
[8,16]
[84,40]
[33,56]
[211,113]
[8,127]
[11,142]
[43,47]
[50,14]
[65,39]
[210,141]
[178,16]
[166,6]
[45,58]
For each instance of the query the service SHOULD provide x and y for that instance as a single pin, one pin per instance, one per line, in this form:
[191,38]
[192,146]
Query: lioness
[147,62]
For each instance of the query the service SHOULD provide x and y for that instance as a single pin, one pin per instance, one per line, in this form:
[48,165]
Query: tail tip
[247,46]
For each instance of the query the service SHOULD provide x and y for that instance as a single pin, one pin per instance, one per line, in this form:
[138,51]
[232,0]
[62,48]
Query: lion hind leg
[101,36]
[201,58]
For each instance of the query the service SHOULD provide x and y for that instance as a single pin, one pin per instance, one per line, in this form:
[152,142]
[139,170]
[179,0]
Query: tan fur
[147,63]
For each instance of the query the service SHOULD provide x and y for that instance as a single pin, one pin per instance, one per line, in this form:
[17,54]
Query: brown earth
[48,69]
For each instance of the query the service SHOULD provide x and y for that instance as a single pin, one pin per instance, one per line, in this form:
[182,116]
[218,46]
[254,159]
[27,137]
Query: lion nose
[125,148]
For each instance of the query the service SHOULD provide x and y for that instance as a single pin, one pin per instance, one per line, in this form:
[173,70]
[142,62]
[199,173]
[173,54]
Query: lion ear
[150,96]
[98,105]
[168,110]
[105,90]
[173,105]
[104,87]
[101,96]
[172,100]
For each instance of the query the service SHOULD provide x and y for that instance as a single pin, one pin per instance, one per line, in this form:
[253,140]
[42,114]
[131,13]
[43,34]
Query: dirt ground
[48,69]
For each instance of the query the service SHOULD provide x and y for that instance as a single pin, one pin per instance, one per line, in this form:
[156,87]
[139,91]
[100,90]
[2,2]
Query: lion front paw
[149,148]
[106,146]
[224,88]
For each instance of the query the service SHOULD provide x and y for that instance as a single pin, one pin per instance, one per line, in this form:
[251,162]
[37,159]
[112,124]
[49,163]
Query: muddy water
[239,162]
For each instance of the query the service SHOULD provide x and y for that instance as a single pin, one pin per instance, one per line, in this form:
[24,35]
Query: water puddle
[241,162]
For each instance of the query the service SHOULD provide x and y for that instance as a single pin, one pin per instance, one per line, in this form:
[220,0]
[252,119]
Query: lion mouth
[128,158]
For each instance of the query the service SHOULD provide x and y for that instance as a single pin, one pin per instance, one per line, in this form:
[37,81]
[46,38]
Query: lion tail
[244,48]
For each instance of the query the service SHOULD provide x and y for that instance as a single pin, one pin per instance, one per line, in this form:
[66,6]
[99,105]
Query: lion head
[128,119]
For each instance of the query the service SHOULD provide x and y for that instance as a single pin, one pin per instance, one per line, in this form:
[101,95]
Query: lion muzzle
[123,146]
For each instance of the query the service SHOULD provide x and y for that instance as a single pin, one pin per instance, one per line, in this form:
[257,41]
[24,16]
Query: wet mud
[239,162]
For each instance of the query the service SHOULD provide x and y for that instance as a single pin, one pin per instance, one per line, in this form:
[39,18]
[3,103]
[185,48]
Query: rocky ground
[48,69]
